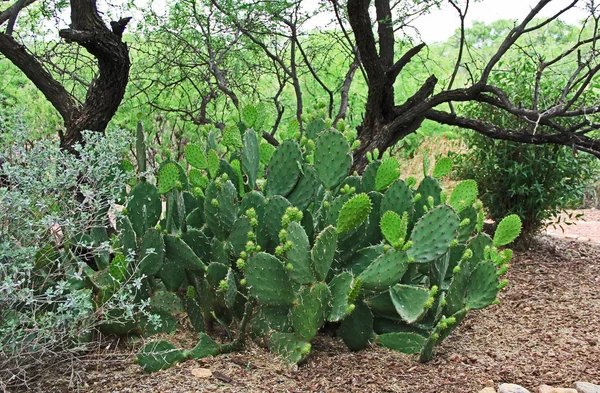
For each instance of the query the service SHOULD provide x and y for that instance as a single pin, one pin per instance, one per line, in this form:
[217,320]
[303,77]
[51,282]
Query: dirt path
[545,330]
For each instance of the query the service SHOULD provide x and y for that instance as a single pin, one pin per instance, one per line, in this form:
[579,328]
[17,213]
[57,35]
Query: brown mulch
[545,330]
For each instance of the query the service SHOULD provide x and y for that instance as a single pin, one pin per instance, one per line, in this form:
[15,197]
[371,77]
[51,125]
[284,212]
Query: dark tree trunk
[105,92]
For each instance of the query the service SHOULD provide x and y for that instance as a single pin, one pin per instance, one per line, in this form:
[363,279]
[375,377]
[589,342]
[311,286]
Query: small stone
[563,390]
[511,388]
[544,389]
[586,387]
[201,372]
[488,390]
[489,383]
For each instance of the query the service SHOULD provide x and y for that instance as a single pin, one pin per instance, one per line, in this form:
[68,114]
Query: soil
[546,329]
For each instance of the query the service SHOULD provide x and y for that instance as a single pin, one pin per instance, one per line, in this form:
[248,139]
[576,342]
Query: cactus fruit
[508,230]
[353,213]
[387,173]
[333,158]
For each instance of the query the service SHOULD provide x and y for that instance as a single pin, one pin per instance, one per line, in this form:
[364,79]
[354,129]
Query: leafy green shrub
[276,259]
[48,201]
[533,182]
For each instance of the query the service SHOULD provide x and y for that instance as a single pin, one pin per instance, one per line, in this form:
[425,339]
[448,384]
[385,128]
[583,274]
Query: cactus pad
[442,168]
[310,310]
[152,253]
[177,250]
[369,176]
[284,169]
[482,287]
[463,195]
[433,234]
[356,329]
[387,173]
[249,114]
[398,199]
[195,156]
[268,280]
[409,301]
[168,175]
[303,193]
[290,347]
[266,152]
[314,128]
[404,342]
[507,231]
[391,227]
[206,347]
[354,213]
[144,207]
[232,138]
[158,355]
[385,271]
[332,158]
[213,163]
[250,157]
[323,252]
[340,288]
[299,255]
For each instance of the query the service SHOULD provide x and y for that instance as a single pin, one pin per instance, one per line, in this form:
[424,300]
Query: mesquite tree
[110,59]
[565,115]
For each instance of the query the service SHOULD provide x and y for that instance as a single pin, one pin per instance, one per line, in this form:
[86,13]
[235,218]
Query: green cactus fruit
[152,253]
[232,138]
[177,250]
[467,227]
[168,175]
[213,163]
[268,280]
[167,302]
[144,207]
[158,355]
[314,128]
[354,213]
[384,271]
[194,312]
[195,156]
[356,330]
[284,169]
[507,231]
[249,115]
[291,348]
[333,158]
[299,254]
[266,152]
[220,218]
[340,288]
[387,173]
[303,193]
[429,187]
[482,287]
[140,148]
[409,301]
[354,183]
[250,157]
[369,176]
[309,311]
[433,234]
[323,252]
[392,228]
[172,274]
[442,168]
[463,195]
[405,342]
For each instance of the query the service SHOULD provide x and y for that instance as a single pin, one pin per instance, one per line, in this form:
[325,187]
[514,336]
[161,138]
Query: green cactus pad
[158,355]
[398,199]
[369,176]
[213,163]
[299,255]
[232,138]
[333,158]
[391,227]
[482,288]
[442,168]
[165,301]
[385,271]
[303,193]
[274,211]
[195,156]
[387,173]
[405,342]
[353,182]
[198,179]
[249,115]
[126,235]
[291,348]
[194,312]
[269,319]
[168,324]
[340,287]
[196,217]
[206,347]
[466,230]
[356,329]
[144,207]
[177,250]
[438,270]
[429,187]
[168,175]
[354,213]
[409,301]
[221,216]
[215,272]
[140,148]
[152,253]
[463,195]
[172,274]
[314,128]
[268,280]
[323,252]
[507,231]
[239,235]
[199,243]
[333,212]
[310,310]
[362,259]
[284,169]
[231,293]
[250,157]
[433,234]
[266,152]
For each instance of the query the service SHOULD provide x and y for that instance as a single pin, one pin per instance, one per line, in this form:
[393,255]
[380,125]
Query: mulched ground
[545,330]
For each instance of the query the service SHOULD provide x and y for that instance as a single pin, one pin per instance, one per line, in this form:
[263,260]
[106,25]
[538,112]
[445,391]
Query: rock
[201,372]
[586,387]
[544,389]
[563,390]
[488,390]
[489,383]
[511,388]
